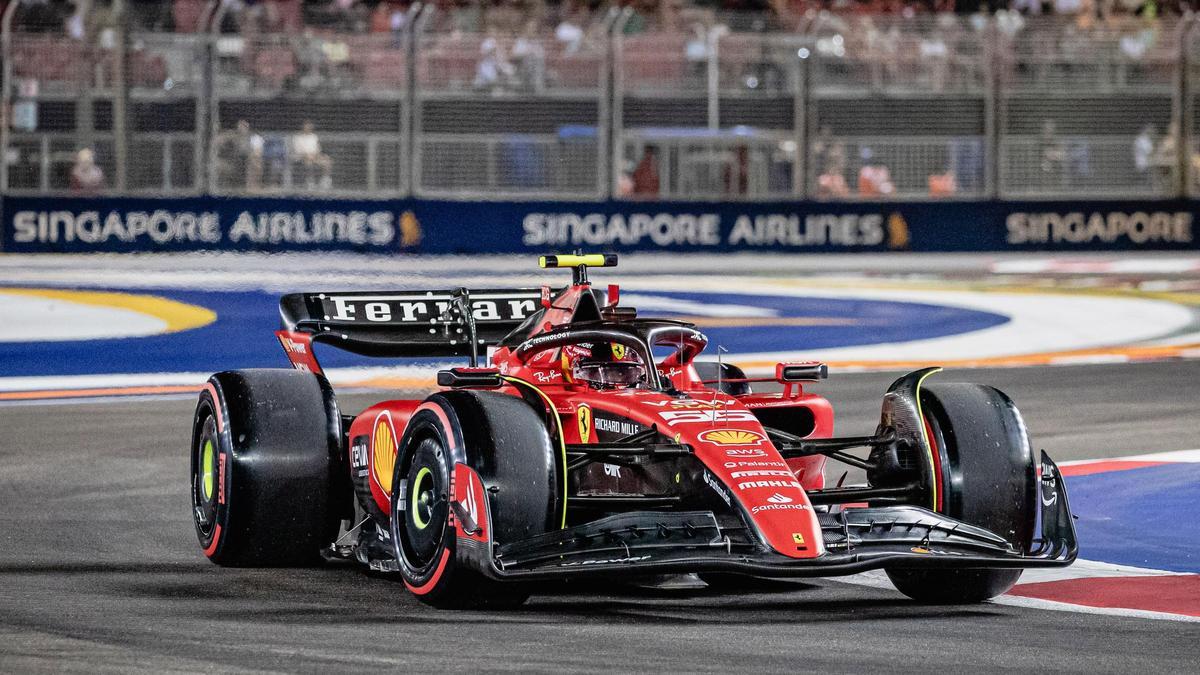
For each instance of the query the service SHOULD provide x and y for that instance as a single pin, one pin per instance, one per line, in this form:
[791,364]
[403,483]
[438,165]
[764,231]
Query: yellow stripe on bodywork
[925,434]
[178,316]
[562,443]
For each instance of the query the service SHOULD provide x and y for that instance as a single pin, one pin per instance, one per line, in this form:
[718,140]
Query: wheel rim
[427,510]
[206,487]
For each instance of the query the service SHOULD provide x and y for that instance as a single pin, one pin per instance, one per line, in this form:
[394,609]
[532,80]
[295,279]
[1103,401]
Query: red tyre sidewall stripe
[220,419]
[437,576]
[216,540]
[216,401]
[452,444]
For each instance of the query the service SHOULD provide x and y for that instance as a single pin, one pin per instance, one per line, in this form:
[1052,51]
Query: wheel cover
[205,478]
[426,512]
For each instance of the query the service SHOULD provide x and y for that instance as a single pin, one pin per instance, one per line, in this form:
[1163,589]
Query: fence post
[120,100]
[991,113]
[618,101]
[1184,114]
[6,83]
[800,121]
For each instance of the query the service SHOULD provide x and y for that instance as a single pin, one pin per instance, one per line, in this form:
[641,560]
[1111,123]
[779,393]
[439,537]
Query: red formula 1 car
[593,443]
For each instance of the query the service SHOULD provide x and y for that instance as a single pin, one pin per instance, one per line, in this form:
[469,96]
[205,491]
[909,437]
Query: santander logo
[779,499]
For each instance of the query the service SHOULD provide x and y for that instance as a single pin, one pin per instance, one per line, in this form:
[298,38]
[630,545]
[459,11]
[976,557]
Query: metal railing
[559,106]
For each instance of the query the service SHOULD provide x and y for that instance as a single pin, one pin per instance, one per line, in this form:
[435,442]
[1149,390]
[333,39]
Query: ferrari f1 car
[593,443]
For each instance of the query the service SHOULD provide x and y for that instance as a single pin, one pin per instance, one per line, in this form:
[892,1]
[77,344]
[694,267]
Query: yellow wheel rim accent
[207,461]
[416,497]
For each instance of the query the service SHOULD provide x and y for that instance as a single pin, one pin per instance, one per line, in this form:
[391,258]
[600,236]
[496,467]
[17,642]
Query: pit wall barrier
[82,225]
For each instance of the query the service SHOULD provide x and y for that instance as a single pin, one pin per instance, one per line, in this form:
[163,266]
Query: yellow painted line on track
[178,316]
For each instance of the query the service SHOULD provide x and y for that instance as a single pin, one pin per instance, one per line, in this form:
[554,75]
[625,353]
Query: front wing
[856,540]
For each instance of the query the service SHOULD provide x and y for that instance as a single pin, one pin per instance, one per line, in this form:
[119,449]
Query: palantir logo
[779,499]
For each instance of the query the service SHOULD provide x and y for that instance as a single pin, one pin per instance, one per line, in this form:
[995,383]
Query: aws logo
[383,451]
[732,437]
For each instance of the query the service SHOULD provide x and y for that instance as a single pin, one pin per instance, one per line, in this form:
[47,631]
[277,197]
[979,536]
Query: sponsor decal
[770,230]
[164,227]
[688,404]
[383,451]
[674,417]
[583,415]
[762,472]
[732,437]
[546,376]
[220,478]
[419,309]
[1138,228]
[752,484]
[778,507]
[612,470]
[774,463]
[670,373]
[359,457]
[716,486]
[745,452]
[616,426]
[607,561]
[779,499]
[469,504]
[618,351]
[798,538]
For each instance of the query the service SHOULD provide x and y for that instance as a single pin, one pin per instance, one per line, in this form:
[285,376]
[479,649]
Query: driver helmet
[609,367]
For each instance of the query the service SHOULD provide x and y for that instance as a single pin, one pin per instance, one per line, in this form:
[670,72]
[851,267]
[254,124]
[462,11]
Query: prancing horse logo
[584,416]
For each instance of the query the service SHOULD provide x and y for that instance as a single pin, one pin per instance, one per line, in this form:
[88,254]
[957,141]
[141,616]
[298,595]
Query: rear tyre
[265,459]
[988,478]
[506,442]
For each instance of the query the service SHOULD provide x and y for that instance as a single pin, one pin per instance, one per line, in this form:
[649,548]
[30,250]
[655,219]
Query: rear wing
[461,322]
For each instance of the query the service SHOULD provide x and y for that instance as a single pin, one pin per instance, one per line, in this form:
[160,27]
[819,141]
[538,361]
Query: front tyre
[502,437]
[987,478]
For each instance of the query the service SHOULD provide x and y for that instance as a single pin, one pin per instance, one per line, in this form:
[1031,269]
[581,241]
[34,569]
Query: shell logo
[732,437]
[383,451]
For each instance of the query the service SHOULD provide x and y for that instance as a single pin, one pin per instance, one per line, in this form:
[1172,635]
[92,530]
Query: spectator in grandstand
[569,32]
[240,158]
[316,166]
[828,151]
[943,184]
[874,180]
[1054,153]
[87,178]
[1143,150]
[831,184]
[388,17]
[529,58]
[645,175]
[494,71]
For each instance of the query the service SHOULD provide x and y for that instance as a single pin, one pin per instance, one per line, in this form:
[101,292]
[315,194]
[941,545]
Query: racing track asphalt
[100,571]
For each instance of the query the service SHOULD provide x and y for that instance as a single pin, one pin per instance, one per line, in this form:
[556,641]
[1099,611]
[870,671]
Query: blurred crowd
[74,17]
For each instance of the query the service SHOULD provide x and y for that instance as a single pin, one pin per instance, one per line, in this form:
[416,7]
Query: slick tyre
[265,468]
[507,444]
[988,478]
